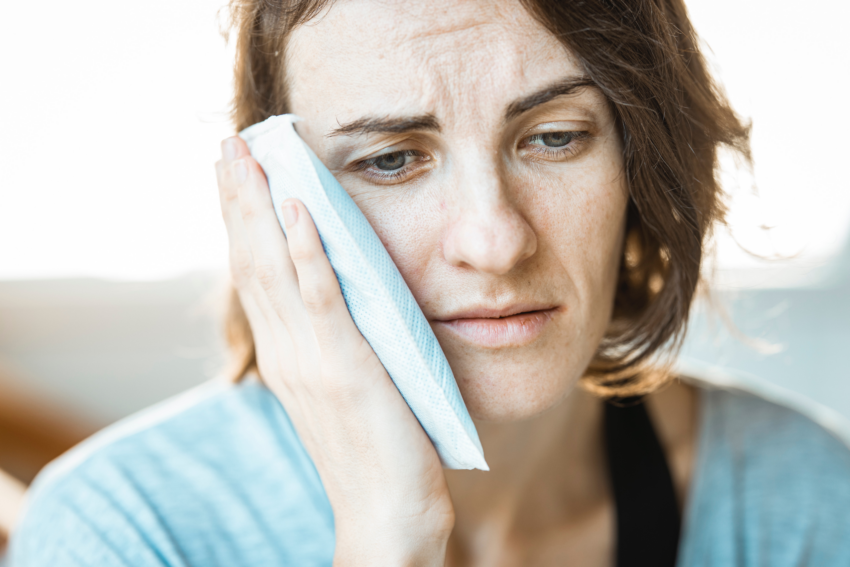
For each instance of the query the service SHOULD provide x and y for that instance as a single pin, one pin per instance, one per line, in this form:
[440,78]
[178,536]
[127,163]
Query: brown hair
[644,56]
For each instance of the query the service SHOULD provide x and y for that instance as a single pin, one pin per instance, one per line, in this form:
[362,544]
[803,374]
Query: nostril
[494,243]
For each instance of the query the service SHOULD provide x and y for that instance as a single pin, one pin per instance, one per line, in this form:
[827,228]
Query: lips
[489,313]
[512,326]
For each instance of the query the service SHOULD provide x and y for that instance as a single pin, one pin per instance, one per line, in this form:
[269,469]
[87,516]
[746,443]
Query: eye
[555,139]
[391,161]
[392,167]
[555,145]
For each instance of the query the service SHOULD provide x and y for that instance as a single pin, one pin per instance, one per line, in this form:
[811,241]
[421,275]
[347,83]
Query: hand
[382,475]
[11,498]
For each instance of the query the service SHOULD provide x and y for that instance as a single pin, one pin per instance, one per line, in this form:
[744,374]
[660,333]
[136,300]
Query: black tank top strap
[648,523]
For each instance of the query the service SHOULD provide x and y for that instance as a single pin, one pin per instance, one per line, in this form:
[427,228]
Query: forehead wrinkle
[446,33]
[463,67]
[467,66]
[450,17]
[459,68]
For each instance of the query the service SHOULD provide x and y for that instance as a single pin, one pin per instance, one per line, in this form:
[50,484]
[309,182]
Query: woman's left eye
[553,139]
[555,144]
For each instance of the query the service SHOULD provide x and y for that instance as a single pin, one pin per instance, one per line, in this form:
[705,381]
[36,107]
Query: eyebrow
[564,87]
[426,122]
[387,125]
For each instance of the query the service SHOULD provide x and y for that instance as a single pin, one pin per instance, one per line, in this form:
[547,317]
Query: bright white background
[111,114]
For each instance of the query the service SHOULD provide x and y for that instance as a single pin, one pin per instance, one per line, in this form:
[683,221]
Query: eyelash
[577,140]
[366,164]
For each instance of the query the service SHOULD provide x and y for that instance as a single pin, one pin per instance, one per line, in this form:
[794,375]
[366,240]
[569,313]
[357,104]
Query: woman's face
[494,179]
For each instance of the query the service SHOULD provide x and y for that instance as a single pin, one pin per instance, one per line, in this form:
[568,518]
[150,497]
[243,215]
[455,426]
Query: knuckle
[267,276]
[228,191]
[316,300]
[299,253]
[241,266]
[226,188]
[249,211]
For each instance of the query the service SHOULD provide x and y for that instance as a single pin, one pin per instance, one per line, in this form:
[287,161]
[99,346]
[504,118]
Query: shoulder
[772,480]
[763,426]
[783,452]
[214,473]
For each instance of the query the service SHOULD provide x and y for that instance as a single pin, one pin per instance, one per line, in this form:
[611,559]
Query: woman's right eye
[391,166]
[390,162]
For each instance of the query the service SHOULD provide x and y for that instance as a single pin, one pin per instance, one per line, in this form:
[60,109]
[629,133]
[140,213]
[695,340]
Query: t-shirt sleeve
[78,522]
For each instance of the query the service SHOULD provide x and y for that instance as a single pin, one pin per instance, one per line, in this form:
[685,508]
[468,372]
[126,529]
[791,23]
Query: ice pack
[380,303]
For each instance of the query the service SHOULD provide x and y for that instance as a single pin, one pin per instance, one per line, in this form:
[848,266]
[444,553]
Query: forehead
[455,59]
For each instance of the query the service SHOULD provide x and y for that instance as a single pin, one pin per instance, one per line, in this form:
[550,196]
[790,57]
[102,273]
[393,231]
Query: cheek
[408,224]
[594,233]
[594,252]
[582,223]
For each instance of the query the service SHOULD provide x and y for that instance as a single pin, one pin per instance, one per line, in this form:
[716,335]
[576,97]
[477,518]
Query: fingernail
[290,214]
[228,149]
[240,172]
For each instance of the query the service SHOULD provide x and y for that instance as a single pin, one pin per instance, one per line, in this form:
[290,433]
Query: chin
[517,383]
[513,392]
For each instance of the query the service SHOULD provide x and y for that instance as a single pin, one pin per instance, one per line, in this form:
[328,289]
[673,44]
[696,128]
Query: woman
[543,175]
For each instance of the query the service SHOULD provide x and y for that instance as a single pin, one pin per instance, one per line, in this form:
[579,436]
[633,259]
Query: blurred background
[112,251]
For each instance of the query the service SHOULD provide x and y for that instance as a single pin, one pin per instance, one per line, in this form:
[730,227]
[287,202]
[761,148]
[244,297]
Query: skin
[497,198]
[485,222]
[11,498]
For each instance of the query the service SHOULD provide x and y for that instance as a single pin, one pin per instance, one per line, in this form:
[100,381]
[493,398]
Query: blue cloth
[218,477]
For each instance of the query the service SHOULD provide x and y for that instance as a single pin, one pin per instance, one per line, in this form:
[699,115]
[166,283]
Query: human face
[494,179]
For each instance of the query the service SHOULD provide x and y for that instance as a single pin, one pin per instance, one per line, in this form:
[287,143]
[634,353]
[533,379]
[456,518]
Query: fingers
[260,263]
[272,267]
[242,185]
[229,179]
[287,286]
[272,340]
[320,292]
[234,148]
[258,251]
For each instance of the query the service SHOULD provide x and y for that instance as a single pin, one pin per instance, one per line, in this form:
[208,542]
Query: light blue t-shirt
[217,476]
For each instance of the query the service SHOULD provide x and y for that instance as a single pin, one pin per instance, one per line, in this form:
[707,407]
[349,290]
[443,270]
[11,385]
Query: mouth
[512,326]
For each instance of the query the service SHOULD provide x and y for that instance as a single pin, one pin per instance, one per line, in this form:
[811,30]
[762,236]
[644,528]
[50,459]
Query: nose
[487,231]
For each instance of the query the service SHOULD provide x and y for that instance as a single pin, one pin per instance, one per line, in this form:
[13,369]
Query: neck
[546,473]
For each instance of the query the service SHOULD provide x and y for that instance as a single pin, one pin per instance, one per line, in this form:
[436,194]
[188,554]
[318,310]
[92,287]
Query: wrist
[372,545]
[383,556]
